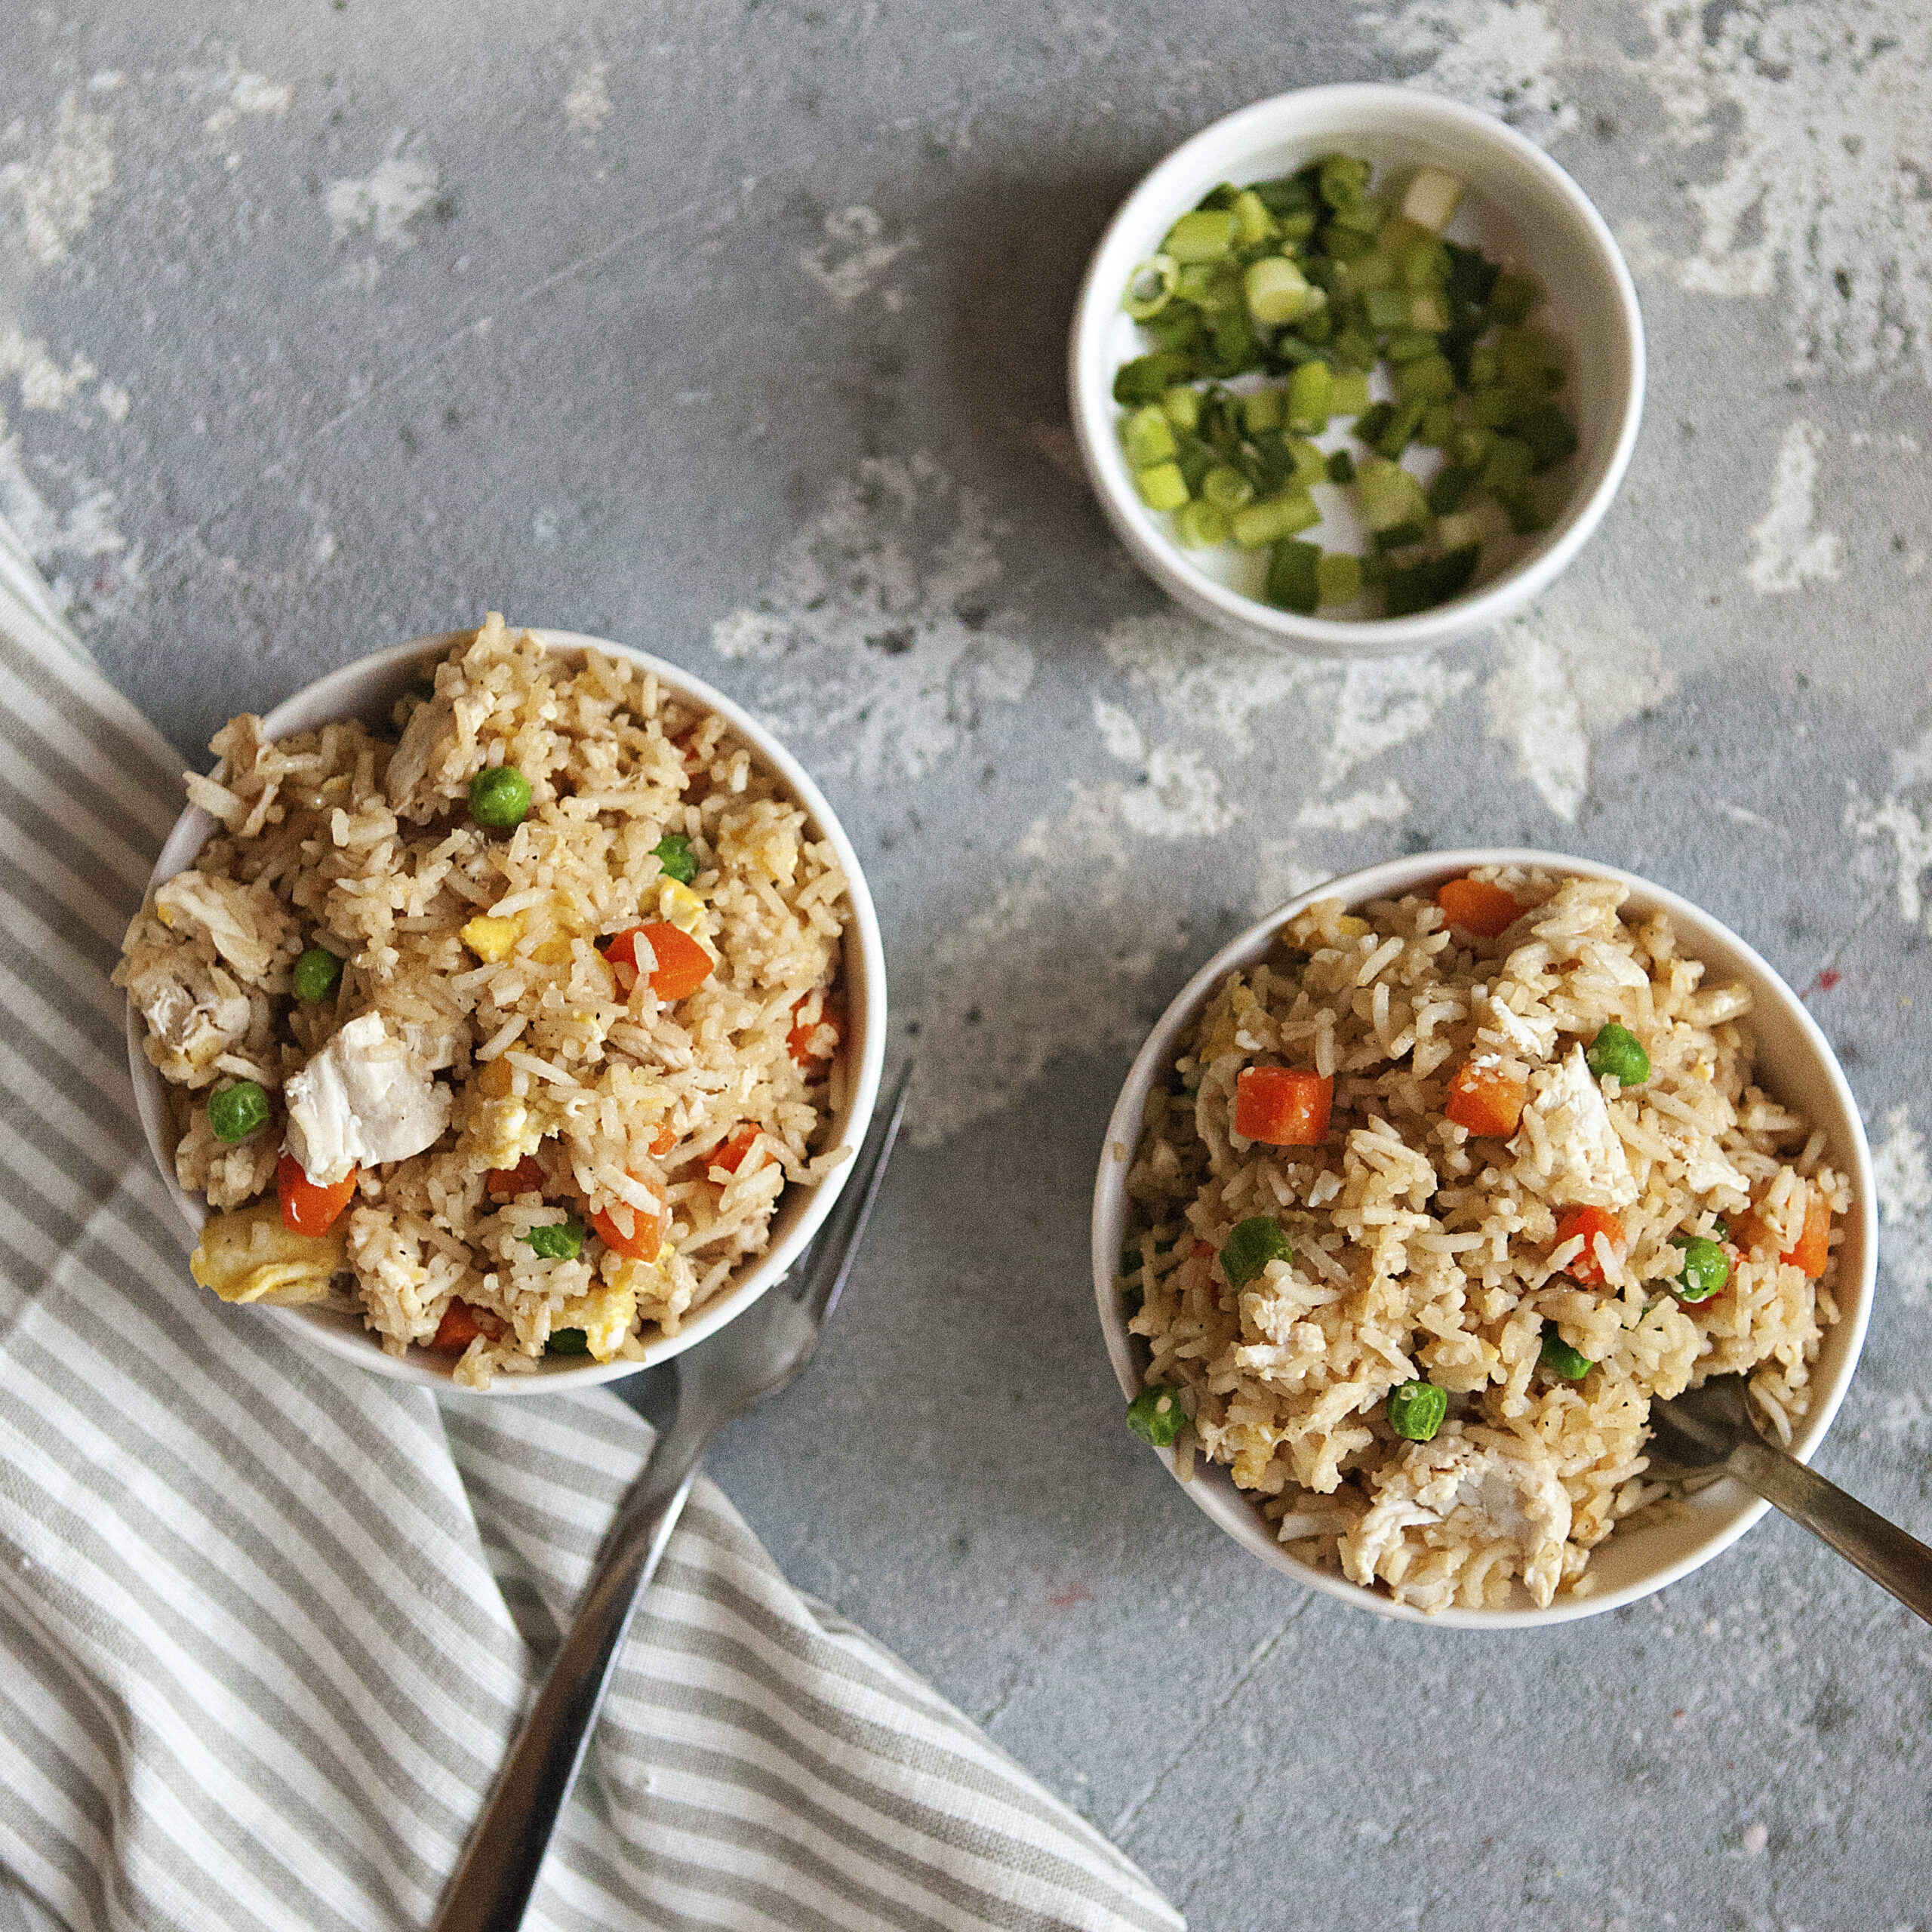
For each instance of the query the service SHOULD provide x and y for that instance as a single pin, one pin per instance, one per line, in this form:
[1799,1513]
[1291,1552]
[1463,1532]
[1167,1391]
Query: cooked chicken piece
[1483,1494]
[246,923]
[194,1014]
[248,1255]
[364,1099]
[1578,1160]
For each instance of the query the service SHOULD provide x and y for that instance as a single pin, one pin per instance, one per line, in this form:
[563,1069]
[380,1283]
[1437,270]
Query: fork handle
[491,1891]
[1900,1563]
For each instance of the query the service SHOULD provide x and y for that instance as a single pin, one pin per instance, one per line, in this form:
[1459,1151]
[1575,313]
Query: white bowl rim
[1090,386]
[350,685]
[1389,879]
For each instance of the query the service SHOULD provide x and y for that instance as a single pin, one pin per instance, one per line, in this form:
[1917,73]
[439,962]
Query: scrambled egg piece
[248,1255]
[679,905]
[606,1312]
[492,940]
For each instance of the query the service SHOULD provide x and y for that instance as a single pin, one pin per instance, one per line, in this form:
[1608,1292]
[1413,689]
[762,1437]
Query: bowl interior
[367,690]
[1794,1062]
[1519,207]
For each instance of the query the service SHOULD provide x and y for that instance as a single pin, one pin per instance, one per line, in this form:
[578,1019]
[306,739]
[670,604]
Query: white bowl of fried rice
[503,1011]
[1423,1188]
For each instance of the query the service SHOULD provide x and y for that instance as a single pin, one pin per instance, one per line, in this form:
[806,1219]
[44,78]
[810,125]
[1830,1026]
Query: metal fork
[687,1400]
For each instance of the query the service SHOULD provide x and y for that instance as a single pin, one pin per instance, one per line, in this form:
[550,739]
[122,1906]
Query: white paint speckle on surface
[856,257]
[44,383]
[1900,817]
[1565,677]
[1502,55]
[79,547]
[1386,701]
[587,105]
[1754,1840]
[1214,683]
[382,203]
[876,614]
[241,95]
[1384,805]
[1119,733]
[1821,110]
[48,198]
[1904,1183]
[1790,551]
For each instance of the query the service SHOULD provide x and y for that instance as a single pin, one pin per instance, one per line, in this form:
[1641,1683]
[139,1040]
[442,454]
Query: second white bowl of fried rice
[504,1010]
[1415,1198]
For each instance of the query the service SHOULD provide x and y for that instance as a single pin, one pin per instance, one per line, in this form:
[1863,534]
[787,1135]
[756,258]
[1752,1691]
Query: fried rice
[594,1154]
[1420,1251]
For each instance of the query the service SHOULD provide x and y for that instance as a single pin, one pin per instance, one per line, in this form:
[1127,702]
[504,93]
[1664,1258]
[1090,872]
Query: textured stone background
[735,331]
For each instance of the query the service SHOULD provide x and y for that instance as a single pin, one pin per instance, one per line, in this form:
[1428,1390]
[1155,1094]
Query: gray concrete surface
[735,331]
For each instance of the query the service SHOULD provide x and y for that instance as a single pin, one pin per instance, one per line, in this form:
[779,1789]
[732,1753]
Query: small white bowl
[368,689]
[1794,1062]
[1520,207]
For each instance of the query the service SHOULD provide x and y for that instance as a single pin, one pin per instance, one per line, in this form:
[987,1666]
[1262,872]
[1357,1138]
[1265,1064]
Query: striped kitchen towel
[267,1624]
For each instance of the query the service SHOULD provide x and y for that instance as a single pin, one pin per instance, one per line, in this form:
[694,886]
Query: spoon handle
[1902,1564]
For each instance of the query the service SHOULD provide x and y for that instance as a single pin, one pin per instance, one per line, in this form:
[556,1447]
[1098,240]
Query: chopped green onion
[1253,219]
[1184,407]
[1151,287]
[1386,494]
[1265,409]
[1205,235]
[556,1240]
[1161,488]
[1416,1411]
[1341,467]
[1250,1245]
[1463,530]
[235,1110]
[673,853]
[1268,522]
[318,973]
[569,1341]
[1308,398]
[1422,586]
[1155,1415]
[1431,198]
[1338,577]
[1227,488]
[1201,525]
[1293,584]
[1148,437]
[1560,1358]
[1348,394]
[1512,300]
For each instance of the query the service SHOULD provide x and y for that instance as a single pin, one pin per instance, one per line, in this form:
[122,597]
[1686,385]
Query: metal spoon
[1710,1429]
[687,1401]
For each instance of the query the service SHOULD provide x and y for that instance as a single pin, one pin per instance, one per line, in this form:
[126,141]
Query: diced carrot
[730,1153]
[1485,1099]
[307,1209]
[647,1229]
[1812,1248]
[1586,1270]
[458,1328]
[1476,906]
[682,966]
[1283,1107]
[1201,1250]
[799,1041]
[507,1183]
[663,1138]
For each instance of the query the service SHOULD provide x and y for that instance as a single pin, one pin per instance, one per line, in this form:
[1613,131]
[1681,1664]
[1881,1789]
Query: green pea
[1560,1358]
[569,1341]
[236,1110]
[1155,1414]
[1706,1268]
[1250,1246]
[498,797]
[673,852]
[1617,1051]
[556,1240]
[1417,1409]
[317,973]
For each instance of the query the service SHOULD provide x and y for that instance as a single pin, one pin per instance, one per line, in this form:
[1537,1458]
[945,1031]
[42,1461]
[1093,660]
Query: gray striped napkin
[269,1623]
